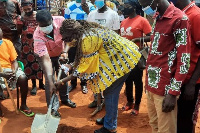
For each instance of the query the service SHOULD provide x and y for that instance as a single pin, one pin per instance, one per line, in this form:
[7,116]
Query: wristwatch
[62,83]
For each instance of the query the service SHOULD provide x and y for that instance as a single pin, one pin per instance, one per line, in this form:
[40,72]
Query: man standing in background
[190,89]
[167,64]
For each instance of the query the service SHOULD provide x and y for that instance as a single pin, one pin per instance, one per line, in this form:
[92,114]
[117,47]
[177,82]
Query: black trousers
[136,77]
[185,112]
[71,56]
[63,91]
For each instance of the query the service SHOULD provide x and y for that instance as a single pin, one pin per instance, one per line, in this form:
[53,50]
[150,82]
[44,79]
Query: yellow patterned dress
[106,58]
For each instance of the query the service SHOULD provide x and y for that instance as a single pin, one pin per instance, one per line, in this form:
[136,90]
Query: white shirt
[121,18]
[109,19]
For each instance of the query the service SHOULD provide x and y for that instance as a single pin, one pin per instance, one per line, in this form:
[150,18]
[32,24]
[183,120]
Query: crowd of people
[102,43]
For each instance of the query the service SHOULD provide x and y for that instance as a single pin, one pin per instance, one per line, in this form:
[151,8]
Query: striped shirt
[75,11]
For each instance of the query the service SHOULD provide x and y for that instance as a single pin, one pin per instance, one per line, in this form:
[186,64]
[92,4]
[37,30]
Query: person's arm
[85,7]
[48,71]
[182,54]
[196,30]
[190,86]
[65,51]
[65,80]
[14,66]
[141,39]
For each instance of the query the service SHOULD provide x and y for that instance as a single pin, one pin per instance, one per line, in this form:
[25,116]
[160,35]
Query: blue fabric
[67,16]
[111,96]
[1,41]
[41,4]
[80,16]
[72,7]
[74,11]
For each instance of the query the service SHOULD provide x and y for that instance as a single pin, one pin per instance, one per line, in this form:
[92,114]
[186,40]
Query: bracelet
[62,83]
[64,52]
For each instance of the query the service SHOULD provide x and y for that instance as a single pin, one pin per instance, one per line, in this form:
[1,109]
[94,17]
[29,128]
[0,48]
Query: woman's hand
[59,84]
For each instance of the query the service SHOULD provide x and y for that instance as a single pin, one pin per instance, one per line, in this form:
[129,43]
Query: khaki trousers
[160,122]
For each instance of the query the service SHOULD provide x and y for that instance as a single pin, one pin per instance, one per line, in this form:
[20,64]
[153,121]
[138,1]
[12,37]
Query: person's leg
[137,77]
[47,91]
[22,82]
[64,94]
[185,112]
[84,86]
[63,91]
[93,104]
[129,88]
[153,118]
[73,83]
[41,84]
[167,122]
[34,88]
[111,96]
[129,92]
[196,111]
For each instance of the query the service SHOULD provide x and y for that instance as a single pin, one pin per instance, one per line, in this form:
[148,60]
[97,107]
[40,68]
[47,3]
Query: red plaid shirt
[169,56]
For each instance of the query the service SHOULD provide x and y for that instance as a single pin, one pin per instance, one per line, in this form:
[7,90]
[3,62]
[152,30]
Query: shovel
[47,123]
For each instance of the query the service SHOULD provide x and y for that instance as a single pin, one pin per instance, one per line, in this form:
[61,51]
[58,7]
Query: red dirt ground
[74,120]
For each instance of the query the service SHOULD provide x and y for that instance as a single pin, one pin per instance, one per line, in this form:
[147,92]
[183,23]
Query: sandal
[27,113]
[128,106]
[134,112]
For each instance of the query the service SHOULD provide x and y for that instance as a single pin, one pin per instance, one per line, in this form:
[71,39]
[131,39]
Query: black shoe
[71,87]
[103,130]
[69,103]
[33,91]
[55,113]
[93,104]
[84,89]
[42,87]
[100,121]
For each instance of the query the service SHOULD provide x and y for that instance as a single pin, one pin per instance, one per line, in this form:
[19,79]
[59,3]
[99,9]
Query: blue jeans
[111,96]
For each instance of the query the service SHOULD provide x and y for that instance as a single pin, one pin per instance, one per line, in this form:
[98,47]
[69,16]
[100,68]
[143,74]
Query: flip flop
[27,113]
